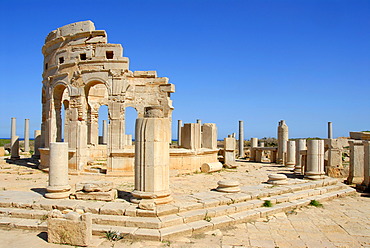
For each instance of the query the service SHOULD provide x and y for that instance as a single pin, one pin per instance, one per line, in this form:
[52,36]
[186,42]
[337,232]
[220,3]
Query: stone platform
[187,215]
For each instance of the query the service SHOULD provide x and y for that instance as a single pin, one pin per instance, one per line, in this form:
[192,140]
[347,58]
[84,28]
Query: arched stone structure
[83,72]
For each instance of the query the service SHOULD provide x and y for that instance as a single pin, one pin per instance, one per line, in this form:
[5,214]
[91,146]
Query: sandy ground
[343,222]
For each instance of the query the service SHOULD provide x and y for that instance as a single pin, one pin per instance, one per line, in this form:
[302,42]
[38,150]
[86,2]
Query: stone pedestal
[190,136]
[209,136]
[277,179]
[300,146]
[26,135]
[229,152]
[291,158]
[254,143]
[37,144]
[14,148]
[228,186]
[356,164]
[315,160]
[152,134]
[283,136]
[58,171]
[241,139]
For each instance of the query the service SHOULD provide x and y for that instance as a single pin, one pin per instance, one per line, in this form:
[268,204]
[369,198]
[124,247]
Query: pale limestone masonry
[179,127]
[366,181]
[330,130]
[82,72]
[277,179]
[315,160]
[152,158]
[105,132]
[58,186]
[241,139]
[228,186]
[190,136]
[356,166]
[71,228]
[26,135]
[229,152]
[254,144]
[209,136]
[334,148]
[95,190]
[283,137]
[14,141]
[211,167]
[300,146]
[37,143]
[291,158]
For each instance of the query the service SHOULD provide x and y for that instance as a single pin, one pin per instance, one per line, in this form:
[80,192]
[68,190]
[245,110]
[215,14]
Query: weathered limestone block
[290,160]
[229,152]
[300,146]
[94,186]
[95,190]
[37,143]
[228,186]
[283,137]
[211,167]
[356,165]
[315,160]
[71,228]
[366,181]
[152,134]
[14,147]
[58,171]
[277,179]
[254,143]
[209,136]
[190,136]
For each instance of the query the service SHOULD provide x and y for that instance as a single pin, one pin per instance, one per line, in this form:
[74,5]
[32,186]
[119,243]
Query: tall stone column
[152,157]
[254,143]
[315,160]
[27,135]
[291,158]
[283,136]
[300,146]
[241,139]
[179,126]
[330,130]
[356,163]
[14,141]
[105,132]
[37,145]
[366,181]
[58,186]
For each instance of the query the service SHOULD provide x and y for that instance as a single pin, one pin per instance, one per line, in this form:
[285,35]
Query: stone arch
[60,98]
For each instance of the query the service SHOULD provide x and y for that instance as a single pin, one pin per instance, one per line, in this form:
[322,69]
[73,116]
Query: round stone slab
[274,177]
[228,183]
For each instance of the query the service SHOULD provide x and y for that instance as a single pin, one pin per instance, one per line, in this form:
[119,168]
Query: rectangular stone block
[97,196]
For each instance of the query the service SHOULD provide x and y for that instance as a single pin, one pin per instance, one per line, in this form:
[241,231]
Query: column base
[289,164]
[58,195]
[297,170]
[162,197]
[314,175]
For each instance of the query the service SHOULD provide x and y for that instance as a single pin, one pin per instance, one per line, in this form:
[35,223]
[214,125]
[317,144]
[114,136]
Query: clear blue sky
[304,61]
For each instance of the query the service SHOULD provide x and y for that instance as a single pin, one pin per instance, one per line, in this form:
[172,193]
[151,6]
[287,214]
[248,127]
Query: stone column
[356,163]
[291,158]
[105,132]
[152,158]
[14,141]
[330,130]
[229,152]
[254,143]
[300,145]
[315,160]
[27,135]
[58,171]
[37,145]
[241,139]
[209,136]
[283,136]
[179,126]
[366,181]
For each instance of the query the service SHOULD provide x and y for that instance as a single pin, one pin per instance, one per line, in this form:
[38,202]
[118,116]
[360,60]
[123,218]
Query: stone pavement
[342,222]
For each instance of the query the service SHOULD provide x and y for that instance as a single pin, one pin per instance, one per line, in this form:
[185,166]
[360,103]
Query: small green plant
[166,242]
[207,218]
[315,203]
[113,235]
[267,204]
